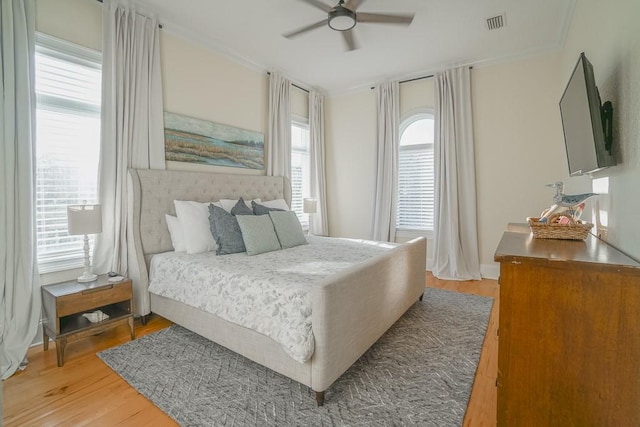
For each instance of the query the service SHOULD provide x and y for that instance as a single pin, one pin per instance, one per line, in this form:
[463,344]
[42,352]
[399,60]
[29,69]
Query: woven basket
[576,230]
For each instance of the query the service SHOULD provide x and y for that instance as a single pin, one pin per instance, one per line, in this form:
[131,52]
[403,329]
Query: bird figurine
[564,203]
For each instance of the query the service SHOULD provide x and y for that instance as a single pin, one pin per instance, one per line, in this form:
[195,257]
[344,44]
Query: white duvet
[269,293]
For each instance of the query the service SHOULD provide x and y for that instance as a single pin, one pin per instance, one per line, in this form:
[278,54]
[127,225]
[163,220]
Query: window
[416,174]
[68,91]
[300,170]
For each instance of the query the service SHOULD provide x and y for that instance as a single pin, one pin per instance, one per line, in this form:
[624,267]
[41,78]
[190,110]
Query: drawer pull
[101,288]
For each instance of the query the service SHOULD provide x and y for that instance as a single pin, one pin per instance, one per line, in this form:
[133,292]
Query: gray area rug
[419,373]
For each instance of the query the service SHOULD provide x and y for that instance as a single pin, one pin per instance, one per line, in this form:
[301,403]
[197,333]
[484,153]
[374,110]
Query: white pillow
[176,233]
[228,204]
[194,219]
[277,204]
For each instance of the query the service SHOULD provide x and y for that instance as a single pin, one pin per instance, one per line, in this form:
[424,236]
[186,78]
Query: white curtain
[279,132]
[132,128]
[319,221]
[456,231]
[384,210]
[20,297]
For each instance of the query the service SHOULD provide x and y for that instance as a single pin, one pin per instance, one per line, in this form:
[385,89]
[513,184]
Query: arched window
[416,174]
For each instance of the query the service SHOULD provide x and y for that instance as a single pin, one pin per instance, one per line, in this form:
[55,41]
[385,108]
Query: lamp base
[87,277]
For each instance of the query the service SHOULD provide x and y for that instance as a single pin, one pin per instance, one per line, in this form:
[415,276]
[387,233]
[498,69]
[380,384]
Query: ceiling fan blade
[384,19]
[349,40]
[353,4]
[319,4]
[306,28]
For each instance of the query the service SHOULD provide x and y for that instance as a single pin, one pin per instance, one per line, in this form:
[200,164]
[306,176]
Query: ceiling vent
[496,22]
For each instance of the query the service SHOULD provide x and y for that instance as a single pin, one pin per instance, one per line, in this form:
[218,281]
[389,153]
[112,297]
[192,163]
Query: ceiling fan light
[342,19]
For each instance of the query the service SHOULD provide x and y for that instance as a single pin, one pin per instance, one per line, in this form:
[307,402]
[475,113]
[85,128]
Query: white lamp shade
[310,206]
[84,219]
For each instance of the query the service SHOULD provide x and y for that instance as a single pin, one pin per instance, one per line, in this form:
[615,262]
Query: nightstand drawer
[93,298]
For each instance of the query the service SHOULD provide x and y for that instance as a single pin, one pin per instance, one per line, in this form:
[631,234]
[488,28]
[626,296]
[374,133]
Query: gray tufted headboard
[151,196]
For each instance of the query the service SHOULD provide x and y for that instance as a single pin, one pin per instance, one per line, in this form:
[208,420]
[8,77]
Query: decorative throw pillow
[194,219]
[258,234]
[228,204]
[288,229]
[176,233]
[277,203]
[259,209]
[225,230]
[241,208]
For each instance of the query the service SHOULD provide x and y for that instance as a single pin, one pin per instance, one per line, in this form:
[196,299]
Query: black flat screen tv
[586,122]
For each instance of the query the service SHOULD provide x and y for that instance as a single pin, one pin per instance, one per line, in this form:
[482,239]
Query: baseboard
[490,271]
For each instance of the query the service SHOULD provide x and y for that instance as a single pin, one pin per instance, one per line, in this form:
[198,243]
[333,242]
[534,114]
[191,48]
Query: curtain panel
[383,227]
[279,128]
[132,129]
[456,254]
[20,302]
[319,221]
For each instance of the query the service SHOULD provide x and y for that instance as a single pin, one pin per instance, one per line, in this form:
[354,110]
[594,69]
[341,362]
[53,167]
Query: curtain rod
[416,78]
[292,84]
[159,24]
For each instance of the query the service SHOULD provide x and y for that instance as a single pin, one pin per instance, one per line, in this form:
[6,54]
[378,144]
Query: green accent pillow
[258,234]
[288,229]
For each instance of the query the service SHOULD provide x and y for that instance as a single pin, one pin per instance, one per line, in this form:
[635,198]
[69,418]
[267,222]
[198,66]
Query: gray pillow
[288,229]
[259,209]
[258,234]
[241,208]
[225,231]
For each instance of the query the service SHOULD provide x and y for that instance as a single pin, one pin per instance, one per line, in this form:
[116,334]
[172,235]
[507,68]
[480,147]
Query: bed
[350,309]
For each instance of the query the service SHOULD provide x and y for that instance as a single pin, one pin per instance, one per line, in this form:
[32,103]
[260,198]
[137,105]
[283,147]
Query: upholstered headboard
[151,196]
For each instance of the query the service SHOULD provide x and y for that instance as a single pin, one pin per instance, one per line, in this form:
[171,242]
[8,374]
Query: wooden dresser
[569,333]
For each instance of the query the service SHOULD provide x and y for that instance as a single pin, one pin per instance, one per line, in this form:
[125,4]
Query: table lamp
[309,206]
[85,219]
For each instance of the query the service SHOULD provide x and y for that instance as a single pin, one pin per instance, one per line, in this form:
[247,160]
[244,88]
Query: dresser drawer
[93,298]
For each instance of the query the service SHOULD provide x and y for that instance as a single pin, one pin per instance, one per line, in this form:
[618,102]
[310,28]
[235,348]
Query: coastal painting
[187,139]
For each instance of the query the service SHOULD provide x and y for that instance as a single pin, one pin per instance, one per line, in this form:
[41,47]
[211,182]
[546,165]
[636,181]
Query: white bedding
[269,293]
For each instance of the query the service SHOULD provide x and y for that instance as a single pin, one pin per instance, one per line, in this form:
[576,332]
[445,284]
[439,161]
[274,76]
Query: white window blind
[416,174]
[300,170]
[68,90]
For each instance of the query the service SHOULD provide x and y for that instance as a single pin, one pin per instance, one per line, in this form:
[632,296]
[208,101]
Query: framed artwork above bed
[192,140]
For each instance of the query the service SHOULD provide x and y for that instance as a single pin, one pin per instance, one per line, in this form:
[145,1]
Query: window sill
[408,234]
[60,275]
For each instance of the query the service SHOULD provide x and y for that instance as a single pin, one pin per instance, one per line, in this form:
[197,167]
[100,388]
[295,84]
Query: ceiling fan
[343,17]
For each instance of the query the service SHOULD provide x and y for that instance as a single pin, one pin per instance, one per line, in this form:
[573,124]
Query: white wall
[200,83]
[416,94]
[608,34]
[350,137]
[299,103]
[77,21]
[519,145]
[206,85]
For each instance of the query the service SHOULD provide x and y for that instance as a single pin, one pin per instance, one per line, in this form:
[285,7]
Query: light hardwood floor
[86,392]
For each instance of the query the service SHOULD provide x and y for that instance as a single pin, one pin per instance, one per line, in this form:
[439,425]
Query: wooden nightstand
[65,303]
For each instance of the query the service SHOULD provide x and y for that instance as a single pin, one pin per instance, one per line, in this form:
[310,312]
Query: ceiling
[444,33]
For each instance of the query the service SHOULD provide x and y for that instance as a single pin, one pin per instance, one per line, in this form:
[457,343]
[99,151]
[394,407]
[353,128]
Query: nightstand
[65,303]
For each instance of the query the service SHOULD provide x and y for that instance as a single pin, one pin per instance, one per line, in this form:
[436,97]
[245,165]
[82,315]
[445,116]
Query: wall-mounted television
[586,122]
